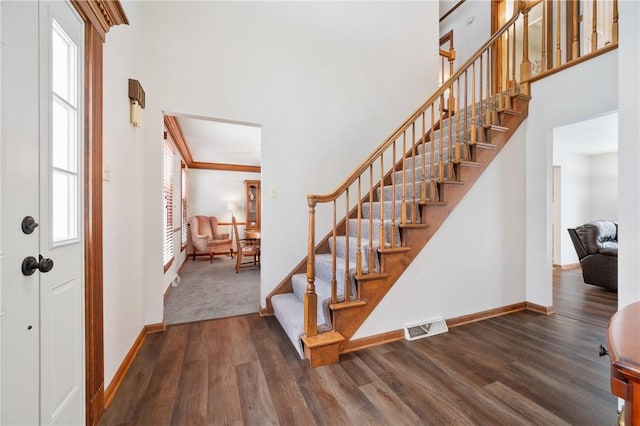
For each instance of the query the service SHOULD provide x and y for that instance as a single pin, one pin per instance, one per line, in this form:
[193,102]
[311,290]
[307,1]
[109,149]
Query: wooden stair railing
[562,43]
[425,167]
[415,164]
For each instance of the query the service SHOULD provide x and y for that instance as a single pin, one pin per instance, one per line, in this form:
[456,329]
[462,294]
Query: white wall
[123,209]
[471,25]
[475,261]
[575,197]
[629,154]
[327,87]
[445,6]
[603,186]
[557,100]
[211,190]
[327,81]
[589,190]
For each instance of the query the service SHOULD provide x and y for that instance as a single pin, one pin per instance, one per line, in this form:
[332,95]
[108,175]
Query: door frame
[99,16]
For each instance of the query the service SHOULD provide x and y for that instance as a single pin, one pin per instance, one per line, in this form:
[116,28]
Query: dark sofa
[596,244]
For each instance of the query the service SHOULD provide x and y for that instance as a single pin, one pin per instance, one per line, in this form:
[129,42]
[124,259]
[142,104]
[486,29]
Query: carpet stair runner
[289,307]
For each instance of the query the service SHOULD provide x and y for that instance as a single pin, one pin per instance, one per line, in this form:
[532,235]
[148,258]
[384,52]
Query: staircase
[383,216]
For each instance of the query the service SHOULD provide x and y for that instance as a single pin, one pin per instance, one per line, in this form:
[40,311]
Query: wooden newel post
[310,297]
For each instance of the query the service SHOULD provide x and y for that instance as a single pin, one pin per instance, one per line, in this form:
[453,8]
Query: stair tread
[291,298]
[413,226]
[364,242]
[387,192]
[347,305]
[371,277]
[324,263]
[485,145]
[289,311]
[368,225]
[392,250]
[341,250]
[497,128]
[322,286]
[509,111]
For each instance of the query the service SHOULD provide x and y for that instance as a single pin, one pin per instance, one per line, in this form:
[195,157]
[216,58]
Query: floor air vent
[425,329]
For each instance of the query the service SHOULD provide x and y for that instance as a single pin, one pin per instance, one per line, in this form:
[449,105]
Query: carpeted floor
[212,290]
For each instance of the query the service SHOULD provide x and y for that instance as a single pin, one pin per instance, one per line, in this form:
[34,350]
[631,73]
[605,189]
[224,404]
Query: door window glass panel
[64,137]
[63,140]
[64,63]
[63,209]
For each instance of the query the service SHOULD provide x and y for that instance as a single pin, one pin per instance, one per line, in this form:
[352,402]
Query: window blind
[183,195]
[167,182]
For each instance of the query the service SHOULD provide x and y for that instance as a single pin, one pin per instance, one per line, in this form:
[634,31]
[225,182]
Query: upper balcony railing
[560,33]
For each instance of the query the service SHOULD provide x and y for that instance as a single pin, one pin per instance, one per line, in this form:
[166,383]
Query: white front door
[42,287]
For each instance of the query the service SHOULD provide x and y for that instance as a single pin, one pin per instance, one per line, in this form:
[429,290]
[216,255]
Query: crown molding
[226,167]
[174,129]
[102,14]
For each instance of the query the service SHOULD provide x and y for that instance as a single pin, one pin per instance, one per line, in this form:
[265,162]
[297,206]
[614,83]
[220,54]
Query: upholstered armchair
[205,237]
[596,245]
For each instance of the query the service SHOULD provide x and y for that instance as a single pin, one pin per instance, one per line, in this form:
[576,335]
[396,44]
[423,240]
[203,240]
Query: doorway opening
[585,188]
[219,175]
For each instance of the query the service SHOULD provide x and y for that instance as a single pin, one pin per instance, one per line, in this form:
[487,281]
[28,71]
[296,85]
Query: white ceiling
[596,136]
[221,141]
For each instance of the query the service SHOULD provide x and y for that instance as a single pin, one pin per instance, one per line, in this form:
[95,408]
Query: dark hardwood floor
[522,368]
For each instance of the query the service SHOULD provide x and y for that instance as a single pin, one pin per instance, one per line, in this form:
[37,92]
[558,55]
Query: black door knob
[28,225]
[45,264]
[30,264]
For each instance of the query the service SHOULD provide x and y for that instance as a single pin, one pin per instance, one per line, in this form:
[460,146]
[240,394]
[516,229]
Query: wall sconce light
[136,94]
[232,207]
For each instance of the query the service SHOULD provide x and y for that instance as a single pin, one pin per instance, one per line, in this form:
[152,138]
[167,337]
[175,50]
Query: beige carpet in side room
[212,290]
